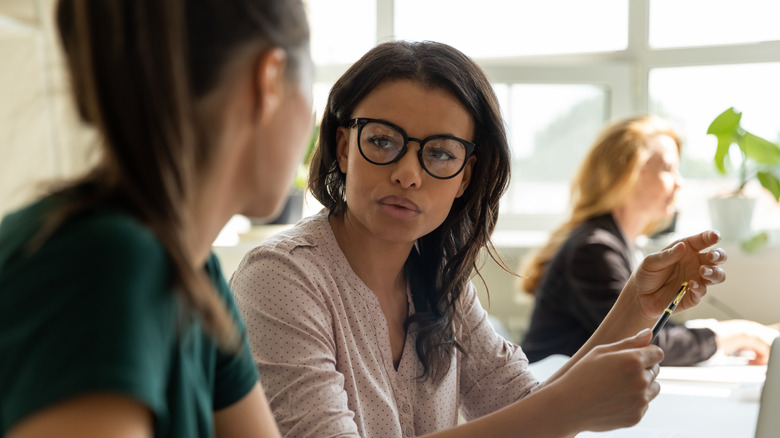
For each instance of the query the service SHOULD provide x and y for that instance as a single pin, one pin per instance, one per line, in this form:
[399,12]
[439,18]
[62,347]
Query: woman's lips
[399,208]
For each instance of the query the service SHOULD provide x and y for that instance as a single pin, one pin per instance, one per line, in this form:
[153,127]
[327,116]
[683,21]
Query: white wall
[40,138]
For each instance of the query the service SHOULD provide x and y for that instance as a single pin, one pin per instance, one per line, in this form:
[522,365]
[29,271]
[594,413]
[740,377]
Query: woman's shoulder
[306,255]
[589,245]
[597,231]
[100,227]
[105,244]
[112,236]
[311,238]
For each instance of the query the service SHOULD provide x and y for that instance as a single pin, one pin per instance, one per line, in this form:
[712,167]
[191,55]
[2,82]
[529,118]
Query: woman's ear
[342,148]
[269,82]
[464,183]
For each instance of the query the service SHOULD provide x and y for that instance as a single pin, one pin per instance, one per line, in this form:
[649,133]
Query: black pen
[668,311]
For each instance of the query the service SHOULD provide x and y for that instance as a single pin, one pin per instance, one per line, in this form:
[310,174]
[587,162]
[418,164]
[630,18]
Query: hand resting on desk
[739,336]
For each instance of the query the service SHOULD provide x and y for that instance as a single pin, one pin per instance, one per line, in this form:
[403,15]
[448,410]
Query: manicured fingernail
[716,234]
[694,285]
[642,332]
[715,255]
[707,272]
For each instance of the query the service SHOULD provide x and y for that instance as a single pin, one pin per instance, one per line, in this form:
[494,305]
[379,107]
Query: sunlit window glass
[490,28]
[320,92]
[341,30]
[675,23]
[550,128]
[692,97]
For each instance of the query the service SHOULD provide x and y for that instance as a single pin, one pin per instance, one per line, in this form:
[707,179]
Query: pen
[668,311]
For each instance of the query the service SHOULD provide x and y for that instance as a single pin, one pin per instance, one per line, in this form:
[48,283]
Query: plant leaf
[760,149]
[771,183]
[724,142]
[726,123]
[726,128]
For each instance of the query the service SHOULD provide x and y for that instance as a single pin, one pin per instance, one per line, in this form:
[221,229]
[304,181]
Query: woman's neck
[219,195]
[208,219]
[379,263]
[631,224]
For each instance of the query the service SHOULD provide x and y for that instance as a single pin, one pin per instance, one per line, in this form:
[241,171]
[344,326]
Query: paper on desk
[730,374]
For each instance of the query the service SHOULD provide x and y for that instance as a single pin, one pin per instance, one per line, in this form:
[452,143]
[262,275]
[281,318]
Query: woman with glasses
[363,320]
[115,319]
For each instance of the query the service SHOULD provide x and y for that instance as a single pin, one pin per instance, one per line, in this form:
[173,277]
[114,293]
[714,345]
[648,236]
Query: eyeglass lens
[380,143]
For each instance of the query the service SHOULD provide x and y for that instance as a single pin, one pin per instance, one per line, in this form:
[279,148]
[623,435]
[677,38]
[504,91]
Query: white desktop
[709,401]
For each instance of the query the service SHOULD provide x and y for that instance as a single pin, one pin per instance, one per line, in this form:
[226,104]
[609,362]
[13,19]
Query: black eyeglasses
[441,156]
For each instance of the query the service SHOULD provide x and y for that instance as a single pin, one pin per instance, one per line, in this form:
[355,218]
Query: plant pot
[732,217]
[293,209]
[291,212]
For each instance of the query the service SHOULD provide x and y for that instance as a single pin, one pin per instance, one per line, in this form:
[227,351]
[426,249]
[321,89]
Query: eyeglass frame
[360,122]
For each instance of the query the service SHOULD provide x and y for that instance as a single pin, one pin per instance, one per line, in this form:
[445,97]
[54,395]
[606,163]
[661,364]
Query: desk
[717,403]
[677,415]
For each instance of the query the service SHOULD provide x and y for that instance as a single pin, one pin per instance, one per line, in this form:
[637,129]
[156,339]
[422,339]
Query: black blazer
[580,286]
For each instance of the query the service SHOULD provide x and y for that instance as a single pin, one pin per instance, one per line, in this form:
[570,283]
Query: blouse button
[408,431]
[406,408]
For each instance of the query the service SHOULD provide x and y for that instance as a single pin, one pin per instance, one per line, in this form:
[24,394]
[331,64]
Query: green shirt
[93,310]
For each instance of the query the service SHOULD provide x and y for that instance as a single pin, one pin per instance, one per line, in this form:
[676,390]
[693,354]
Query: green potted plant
[758,159]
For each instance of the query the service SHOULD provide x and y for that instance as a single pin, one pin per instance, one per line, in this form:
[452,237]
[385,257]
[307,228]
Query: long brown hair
[604,180]
[442,262]
[137,69]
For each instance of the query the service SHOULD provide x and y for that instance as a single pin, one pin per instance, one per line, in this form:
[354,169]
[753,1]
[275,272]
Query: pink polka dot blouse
[321,344]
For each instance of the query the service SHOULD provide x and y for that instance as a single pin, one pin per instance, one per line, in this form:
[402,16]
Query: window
[563,68]
[341,30]
[692,97]
[688,23]
[493,28]
[544,123]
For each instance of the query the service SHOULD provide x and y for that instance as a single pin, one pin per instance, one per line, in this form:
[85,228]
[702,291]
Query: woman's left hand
[661,274]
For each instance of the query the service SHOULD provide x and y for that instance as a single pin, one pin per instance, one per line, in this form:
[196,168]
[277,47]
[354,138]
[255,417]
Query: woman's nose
[679,180]
[408,171]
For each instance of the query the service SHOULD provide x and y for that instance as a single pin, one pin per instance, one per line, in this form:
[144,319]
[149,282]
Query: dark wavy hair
[138,69]
[440,266]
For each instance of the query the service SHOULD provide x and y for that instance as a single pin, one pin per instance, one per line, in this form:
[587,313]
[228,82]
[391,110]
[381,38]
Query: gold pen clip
[680,294]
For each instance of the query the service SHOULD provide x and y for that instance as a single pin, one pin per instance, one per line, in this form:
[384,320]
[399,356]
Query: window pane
[320,92]
[692,97]
[490,28]
[341,30]
[550,128]
[675,23]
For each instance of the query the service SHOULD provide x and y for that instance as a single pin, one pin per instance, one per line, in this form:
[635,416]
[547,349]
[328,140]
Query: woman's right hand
[612,385]
[657,280]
